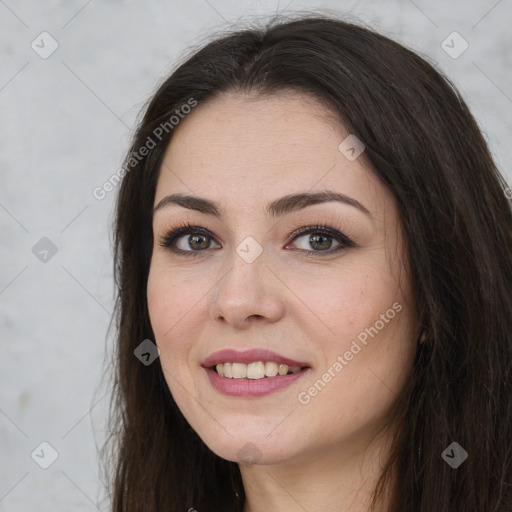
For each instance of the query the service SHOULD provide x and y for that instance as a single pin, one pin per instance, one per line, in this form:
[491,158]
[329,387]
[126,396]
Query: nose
[248,292]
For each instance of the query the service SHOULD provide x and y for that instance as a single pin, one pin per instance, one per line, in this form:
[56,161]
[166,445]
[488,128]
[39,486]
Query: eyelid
[185,228]
[327,229]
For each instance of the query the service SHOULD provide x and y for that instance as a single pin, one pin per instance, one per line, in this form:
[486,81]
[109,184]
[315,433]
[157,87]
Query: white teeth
[256,370]
[271,369]
[227,370]
[239,370]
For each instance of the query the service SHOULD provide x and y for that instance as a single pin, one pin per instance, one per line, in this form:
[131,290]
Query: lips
[250,356]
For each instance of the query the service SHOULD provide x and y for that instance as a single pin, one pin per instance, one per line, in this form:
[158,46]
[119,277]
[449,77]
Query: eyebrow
[276,208]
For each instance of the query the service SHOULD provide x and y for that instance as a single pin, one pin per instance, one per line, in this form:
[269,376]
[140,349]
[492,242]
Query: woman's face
[334,301]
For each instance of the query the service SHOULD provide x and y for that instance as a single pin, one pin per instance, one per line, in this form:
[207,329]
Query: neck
[340,479]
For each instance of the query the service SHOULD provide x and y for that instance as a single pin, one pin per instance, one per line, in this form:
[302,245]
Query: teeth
[271,369]
[227,370]
[283,369]
[256,370]
[239,370]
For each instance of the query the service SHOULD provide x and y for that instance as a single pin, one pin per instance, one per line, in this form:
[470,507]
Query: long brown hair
[425,146]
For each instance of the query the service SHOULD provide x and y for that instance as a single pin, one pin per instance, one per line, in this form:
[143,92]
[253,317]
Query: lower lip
[252,387]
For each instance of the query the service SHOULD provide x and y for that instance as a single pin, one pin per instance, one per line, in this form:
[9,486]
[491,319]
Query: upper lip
[248,356]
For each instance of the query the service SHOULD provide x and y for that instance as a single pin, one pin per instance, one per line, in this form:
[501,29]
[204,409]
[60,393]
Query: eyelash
[186,228]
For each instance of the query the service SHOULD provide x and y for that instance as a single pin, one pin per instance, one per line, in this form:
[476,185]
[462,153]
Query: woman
[312,231]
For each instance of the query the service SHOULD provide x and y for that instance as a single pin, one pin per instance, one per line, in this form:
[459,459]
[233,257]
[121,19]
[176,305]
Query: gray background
[65,123]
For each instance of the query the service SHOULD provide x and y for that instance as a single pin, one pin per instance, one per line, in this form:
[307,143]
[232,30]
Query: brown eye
[189,240]
[196,242]
[320,239]
[317,241]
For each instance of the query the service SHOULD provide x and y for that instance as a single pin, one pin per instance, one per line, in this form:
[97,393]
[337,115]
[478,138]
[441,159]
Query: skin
[243,152]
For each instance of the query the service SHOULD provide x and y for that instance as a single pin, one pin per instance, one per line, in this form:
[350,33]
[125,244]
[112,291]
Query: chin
[245,448]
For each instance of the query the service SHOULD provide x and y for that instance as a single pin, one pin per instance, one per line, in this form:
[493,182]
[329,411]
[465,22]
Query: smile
[256,370]
[247,387]
[252,373]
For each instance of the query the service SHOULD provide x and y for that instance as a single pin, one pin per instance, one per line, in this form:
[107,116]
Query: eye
[188,240]
[319,239]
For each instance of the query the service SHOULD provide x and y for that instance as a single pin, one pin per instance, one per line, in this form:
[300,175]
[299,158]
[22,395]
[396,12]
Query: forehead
[244,151]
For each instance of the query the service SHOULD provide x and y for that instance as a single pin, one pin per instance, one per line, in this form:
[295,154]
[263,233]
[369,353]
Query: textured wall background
[66,120]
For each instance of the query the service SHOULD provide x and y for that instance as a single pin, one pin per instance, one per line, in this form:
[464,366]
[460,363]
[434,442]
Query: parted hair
[423,143]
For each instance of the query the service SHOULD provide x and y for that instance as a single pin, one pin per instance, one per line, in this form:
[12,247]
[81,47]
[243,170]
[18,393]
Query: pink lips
[248,356]
[245,388]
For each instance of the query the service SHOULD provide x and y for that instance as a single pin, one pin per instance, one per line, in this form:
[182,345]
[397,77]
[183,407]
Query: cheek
[160,302]
[176,305]
[365,320]
[349,300]
[374,331]
[168,304]
[168,301]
